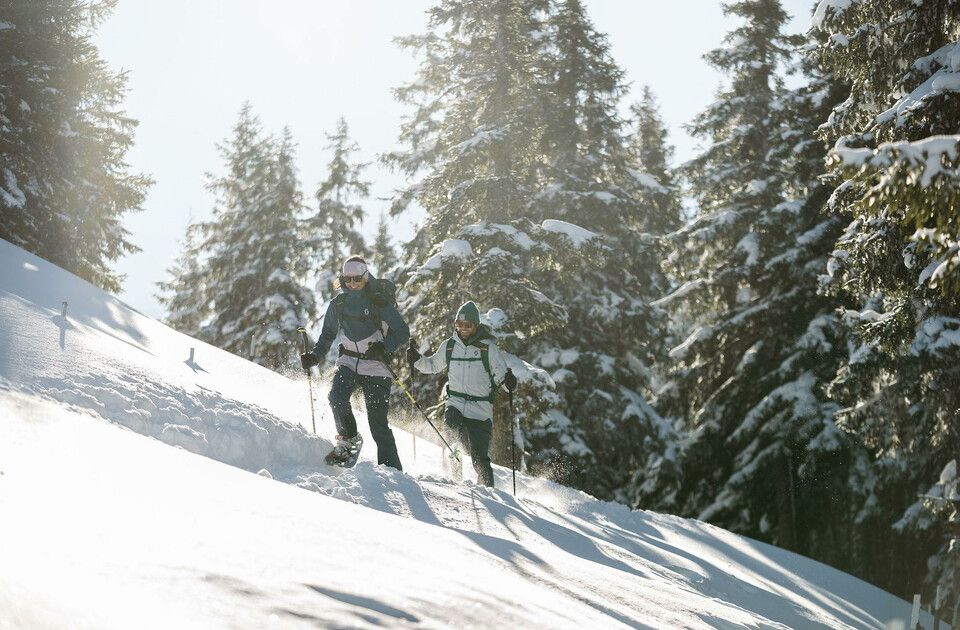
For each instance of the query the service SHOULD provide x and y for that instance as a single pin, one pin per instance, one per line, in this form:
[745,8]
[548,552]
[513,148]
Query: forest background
[764,336]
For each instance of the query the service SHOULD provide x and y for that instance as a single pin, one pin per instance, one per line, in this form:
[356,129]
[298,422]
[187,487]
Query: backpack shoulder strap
[338,300]
[382,292]
[449,351]
[485,359]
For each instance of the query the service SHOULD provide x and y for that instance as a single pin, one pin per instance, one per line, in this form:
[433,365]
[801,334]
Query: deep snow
[104,525]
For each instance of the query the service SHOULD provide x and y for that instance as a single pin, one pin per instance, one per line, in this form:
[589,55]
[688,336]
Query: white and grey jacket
[469,389]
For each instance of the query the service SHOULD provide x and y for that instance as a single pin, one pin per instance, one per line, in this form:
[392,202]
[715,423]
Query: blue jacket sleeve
[399,333]
[331,328]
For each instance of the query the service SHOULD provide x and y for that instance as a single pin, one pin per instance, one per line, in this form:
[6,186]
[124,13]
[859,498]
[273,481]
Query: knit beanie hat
[469,312]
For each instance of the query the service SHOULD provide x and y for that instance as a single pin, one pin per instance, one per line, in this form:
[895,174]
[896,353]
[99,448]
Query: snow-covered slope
[104,525]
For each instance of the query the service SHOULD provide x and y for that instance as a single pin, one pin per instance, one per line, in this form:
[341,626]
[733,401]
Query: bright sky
[305,63]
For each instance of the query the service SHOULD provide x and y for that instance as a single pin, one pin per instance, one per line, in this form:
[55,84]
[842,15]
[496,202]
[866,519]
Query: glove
[376,351]
[308,360]
[413,355]
[510,381]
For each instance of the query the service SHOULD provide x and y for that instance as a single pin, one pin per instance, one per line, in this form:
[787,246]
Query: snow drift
[140,488]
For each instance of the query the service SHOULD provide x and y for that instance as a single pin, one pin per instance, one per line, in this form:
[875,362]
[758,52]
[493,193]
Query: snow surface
[147,485]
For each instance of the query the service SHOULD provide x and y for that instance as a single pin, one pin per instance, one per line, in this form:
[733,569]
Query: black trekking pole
[413,383]
[513,445]
[413,344]
[306,342]
[455,454]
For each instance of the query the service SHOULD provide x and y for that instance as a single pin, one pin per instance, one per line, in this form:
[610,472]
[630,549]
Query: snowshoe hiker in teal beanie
[475,368]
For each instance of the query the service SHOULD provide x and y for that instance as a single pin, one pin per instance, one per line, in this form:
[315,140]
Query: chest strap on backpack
[341,351]
[488,398]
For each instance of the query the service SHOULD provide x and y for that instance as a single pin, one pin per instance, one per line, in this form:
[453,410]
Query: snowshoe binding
[346,452]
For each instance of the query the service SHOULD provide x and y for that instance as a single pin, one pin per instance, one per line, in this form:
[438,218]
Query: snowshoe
[346,452]
[452,466]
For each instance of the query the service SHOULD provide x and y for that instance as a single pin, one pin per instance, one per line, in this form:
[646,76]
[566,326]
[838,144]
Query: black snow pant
[476,435]
[376,395]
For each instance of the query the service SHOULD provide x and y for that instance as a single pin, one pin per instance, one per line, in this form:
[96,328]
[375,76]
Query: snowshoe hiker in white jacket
[475,368]
[369,327]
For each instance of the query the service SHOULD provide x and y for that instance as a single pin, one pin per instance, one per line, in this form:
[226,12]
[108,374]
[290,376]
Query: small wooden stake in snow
[63,311]
[191,355]
[915,617]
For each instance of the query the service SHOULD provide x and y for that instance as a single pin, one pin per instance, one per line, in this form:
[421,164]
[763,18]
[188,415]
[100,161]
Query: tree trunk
[787,521]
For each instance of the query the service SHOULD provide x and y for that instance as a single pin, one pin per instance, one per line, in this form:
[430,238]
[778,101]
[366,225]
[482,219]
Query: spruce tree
[383,255]
[748,379]
[334,230]
[517,116]
[475,126]
[64,181]
[184,294]
[471,141]
[895,158]
[652,156]
[653,469]
[252,272]
[589,177]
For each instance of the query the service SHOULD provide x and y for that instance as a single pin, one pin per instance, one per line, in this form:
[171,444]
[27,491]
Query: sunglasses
[465,324]
[353,278]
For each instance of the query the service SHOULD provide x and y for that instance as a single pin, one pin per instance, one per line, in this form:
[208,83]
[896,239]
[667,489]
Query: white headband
[354,268]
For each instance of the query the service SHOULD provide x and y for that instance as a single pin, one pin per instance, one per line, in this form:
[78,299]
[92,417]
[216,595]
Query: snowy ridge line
[202,422]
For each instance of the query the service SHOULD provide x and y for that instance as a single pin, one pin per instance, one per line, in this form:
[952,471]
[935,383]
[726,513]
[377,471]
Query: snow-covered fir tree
[748,379]
[383,256]
[184,294]
[895,161]
[653,466]
[333,232]
[64,181]
[471,142]
[475,122]
[652,156]
[534,132]
[588,176]
[252,267]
